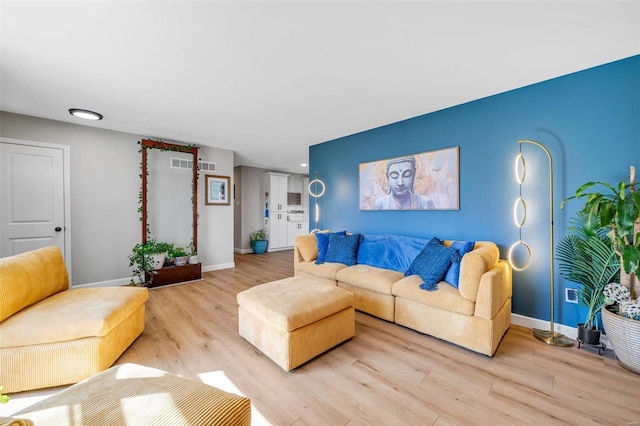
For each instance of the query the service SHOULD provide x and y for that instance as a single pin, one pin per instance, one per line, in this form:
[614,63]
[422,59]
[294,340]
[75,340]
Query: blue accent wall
[590,123]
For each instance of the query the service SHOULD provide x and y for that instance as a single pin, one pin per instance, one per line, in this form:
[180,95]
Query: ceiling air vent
[180,163]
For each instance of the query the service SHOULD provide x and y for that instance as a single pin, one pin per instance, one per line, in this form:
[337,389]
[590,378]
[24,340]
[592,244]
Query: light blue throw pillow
[343,248]
[431,264]
[453,274]
[323,244]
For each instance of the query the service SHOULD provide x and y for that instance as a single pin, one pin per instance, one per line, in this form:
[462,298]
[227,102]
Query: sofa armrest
[297,257]
[494,290]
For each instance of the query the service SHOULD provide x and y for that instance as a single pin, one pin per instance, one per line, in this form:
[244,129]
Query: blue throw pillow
[393,252]
[453,274]
[343,248]
[431,264]
[323,243]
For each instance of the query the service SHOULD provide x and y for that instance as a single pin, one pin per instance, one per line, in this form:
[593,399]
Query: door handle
[58,229]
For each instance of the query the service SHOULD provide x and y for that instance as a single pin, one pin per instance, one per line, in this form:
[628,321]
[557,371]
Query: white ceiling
[268,79]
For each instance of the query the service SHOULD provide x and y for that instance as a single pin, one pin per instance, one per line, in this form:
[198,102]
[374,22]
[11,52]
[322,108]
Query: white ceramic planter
[180,261]
[158,260]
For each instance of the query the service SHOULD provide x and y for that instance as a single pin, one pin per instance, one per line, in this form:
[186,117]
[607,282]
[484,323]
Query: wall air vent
[181,163]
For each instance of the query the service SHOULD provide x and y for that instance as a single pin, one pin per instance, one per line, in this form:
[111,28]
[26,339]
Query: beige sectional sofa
[475,315]
[51,335]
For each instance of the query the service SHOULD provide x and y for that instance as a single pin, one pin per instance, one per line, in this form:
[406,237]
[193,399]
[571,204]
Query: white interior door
[32,198]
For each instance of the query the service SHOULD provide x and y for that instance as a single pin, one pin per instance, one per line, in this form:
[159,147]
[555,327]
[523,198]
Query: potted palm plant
[590,261]
[616,212]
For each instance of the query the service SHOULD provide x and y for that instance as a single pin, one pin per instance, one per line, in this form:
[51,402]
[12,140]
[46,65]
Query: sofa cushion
[474,264]
[323,244]
[343,248]
[445,297]
[308,246]
[324,270]
[393,252]
[30,277]
[369,278]
[431,264]
[461,247]
[71,315]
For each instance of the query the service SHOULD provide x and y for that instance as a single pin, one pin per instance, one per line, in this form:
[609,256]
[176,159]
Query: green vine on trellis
[194,183]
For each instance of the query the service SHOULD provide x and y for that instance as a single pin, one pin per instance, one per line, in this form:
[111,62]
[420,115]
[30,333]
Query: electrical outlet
[571,295]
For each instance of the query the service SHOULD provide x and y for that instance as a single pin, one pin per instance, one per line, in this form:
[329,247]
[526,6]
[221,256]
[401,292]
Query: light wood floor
[386,374]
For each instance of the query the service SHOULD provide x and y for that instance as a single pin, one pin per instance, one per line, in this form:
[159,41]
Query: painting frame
[216,190]
[433,176]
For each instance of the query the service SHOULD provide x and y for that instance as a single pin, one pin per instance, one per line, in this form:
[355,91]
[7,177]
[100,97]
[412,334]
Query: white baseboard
[127,281]
[218,266]
[109,283]
[243,251]
[570,332]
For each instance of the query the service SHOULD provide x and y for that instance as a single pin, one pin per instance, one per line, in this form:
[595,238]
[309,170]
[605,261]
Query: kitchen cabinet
[277,231]
[278,192]
[276,210]
[294,229]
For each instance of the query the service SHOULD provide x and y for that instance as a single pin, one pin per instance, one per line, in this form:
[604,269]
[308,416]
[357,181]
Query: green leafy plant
[592,262]
[141,259]
[257,235]
[192,249]
[177,252]
[616,212]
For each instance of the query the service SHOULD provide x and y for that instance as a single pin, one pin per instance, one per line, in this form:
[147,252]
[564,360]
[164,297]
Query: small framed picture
[216,190]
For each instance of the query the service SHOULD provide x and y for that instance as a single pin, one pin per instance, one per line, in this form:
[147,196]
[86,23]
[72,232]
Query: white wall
[105,183]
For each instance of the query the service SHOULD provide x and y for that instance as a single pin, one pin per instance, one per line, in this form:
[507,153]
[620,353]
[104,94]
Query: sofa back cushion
[393,252]
[474,264]
[30,277]
[308,246]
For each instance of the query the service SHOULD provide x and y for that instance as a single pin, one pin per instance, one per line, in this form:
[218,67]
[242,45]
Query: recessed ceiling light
[303,165]
[86,114]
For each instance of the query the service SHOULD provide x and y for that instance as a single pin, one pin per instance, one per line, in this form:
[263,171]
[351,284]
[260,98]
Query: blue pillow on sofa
[343,248]
[393,252]
[323,243]
[431,264]
[453,274]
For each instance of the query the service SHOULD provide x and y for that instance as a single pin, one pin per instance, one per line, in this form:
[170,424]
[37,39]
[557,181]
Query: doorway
[34,197]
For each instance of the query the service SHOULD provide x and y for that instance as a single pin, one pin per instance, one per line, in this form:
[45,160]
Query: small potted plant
[179,256]
[146,259]
[193,254]
[258,241]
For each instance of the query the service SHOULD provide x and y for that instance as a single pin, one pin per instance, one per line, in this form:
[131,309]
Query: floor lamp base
[554,339]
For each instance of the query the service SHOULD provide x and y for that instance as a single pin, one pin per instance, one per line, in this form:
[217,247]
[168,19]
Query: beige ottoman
[296,319]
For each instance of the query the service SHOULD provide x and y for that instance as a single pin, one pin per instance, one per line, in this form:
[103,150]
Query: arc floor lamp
[316,190]
[550,337]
